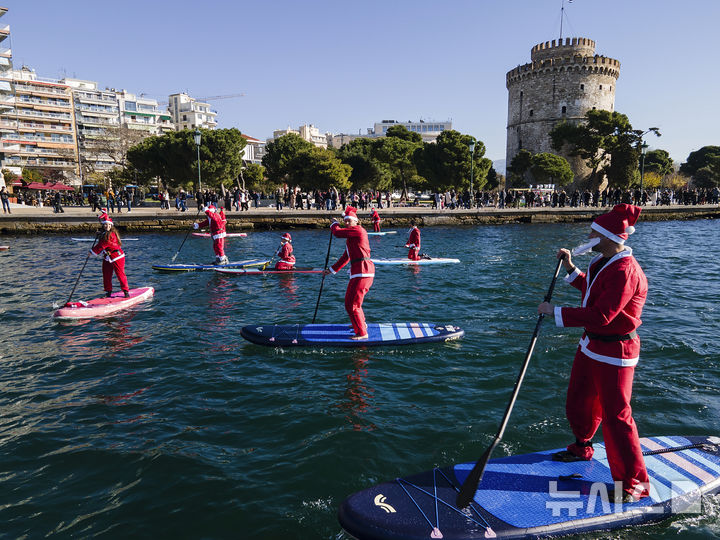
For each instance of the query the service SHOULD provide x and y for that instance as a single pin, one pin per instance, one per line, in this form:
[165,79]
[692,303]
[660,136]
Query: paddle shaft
[83,268]
[469,487]
[322,282]
[186,237]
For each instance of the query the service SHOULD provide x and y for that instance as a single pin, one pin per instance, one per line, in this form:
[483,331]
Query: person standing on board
[110,245]
[285,253]
[613,294]
[362,269]
[216,221]
[375,217]
[413,243]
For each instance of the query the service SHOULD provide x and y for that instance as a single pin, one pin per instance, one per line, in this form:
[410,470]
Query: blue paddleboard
[383,233]
[532,496]
[201,267]
[339,335]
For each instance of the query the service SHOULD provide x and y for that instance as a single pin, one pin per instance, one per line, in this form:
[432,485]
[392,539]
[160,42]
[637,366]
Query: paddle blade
[470,486]
[174,257]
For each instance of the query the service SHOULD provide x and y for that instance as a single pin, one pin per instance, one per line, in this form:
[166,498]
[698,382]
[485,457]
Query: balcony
[90,98]
[57,117]
[40,162]
[25,127]
[5,52]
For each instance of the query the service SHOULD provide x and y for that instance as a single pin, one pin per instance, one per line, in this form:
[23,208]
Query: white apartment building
[308,132]
[428,130]
[138,112]
[189,113]
[7,98]
[254,150]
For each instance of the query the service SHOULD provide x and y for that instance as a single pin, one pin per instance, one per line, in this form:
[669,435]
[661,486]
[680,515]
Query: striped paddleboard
[532,496]
[227,235]
[339,335]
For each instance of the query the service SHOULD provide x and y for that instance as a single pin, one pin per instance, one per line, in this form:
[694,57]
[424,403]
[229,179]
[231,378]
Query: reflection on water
[356,402]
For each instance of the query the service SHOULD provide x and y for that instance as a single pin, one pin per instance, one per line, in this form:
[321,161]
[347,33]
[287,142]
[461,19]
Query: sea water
[163,422]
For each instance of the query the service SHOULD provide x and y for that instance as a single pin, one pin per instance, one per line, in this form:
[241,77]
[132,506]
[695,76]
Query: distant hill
[499,166]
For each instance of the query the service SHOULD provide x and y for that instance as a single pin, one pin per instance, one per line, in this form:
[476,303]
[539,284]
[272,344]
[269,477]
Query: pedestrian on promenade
[58,203]
[5,197]
[613,292]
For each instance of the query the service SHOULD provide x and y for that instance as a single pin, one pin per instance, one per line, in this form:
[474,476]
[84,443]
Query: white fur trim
[608,234]
[558,317]
[572,275]
[361,275]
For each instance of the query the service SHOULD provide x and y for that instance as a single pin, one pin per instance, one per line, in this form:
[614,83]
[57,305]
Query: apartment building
[39,127]
[254,150]
[308,132]
[189,113]
[138,112]
[7,98]
[428,130]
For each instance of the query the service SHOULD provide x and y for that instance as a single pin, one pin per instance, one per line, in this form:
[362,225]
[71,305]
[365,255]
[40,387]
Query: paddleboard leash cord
[436,531]
[703,445]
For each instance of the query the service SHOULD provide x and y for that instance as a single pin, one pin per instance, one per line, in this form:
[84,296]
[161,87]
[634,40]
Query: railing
[24,99]
[42,162]
[91,108]
[63,140]
[54,116]
[88,97]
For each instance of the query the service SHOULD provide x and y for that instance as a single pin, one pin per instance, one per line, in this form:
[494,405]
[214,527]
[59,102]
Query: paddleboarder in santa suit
[613,293]
[110,245]
[413,242]
[216,221]
[285,253]
[375,217]
[362,269]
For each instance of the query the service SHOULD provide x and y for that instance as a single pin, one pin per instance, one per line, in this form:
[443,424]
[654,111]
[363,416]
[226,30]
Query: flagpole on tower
[562,14]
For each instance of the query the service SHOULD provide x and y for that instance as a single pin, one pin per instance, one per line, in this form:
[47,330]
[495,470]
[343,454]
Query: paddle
[327,259]
[469,487]
[186,237]
[83,268]
[264,266]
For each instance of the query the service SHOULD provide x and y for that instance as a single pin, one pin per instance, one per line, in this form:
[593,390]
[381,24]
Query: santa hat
[104,218]
[350,213]
[210,208]
[619,223]
[287,237]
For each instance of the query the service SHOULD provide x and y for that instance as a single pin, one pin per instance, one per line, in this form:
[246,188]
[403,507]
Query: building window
[531,112]
[521,93]
[564,109]
[130,106]
[184,117]
[601,87]
[582,87]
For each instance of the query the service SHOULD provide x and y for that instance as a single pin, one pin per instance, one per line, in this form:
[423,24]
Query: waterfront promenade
[36,220]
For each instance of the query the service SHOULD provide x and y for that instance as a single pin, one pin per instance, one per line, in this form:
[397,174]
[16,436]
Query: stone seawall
[153,220]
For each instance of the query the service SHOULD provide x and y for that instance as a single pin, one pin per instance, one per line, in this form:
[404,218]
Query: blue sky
[344,65]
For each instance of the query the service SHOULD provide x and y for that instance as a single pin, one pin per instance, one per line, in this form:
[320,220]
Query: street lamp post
[198,140]
[472,172]
[643,148]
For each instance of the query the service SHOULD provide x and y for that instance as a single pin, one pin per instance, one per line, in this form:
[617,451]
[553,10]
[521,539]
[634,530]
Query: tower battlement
[568,46]
[582,64]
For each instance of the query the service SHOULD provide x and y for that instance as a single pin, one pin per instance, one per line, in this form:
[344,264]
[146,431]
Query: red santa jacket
[357,251]
[414,240]
[216,221]
[611,305]
[111,246]
[285,253]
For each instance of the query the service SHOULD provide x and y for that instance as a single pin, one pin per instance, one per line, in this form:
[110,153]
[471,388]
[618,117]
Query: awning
[59,186]
[36,185]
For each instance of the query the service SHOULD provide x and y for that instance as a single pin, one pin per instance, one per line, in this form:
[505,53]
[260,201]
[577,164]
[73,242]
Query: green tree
[699,159]
[602,134]
[519,166]
[448,163]
[548,168]
[658,162]
[367,171]
[32,175]
[401,132]
[318,168]
[398,156]
[493,179]
[254,175]
[280,153]
[709,175]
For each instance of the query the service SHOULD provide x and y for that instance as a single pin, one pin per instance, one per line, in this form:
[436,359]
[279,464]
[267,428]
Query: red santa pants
[283,266]
[414,254]
[219,247]
[354,296]
[376,226]
[119,268]
[600,392]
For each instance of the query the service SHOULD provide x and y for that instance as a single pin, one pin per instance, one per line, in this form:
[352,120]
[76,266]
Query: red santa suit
[613,294]
[216,221]
[285,253]
[375,220]
[109,244]
[362,269]
[414,244]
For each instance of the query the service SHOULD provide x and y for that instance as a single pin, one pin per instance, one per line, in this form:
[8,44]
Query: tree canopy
[367,171]
[448,163]
[551,169]
[658,162]
[699,159]
[318,168]
[280,153]
[401,132]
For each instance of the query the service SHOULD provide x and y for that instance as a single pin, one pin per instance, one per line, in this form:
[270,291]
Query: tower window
[593,108]
[531,112]
[521,93]
[601,87]
[582,87]
[564,109]
[520,144]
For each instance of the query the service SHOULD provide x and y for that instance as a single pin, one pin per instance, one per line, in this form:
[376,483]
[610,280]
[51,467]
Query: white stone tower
[563,81]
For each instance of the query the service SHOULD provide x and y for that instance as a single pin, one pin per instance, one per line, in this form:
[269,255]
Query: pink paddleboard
[227,235]
[99,307]
[4,248]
